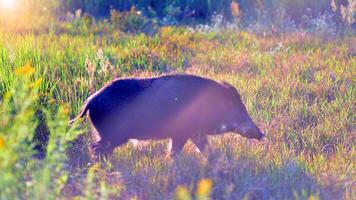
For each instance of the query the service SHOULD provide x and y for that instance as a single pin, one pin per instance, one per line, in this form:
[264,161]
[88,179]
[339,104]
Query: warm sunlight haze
[178,99]
[7,4]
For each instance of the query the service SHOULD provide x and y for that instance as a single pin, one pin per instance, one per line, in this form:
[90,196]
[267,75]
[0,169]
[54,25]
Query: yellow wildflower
[26,70]
[66,109]
[182,193]
[204,188]
[37,83]
[2,142]
[313,197]
[167,30]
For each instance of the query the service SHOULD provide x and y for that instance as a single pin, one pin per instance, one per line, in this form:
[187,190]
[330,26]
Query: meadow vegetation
[298,86]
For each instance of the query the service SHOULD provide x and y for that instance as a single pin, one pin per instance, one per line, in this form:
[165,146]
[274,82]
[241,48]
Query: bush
[171,11]
[129,21]
[22,175]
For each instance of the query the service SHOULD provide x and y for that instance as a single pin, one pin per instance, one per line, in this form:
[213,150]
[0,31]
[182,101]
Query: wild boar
[179,107]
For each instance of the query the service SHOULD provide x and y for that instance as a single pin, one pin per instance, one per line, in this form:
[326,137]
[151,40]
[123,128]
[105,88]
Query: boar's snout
[249,130]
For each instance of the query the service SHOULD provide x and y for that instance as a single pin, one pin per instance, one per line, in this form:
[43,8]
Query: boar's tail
[83,111]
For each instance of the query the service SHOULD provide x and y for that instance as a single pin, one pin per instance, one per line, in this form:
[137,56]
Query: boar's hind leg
[177,145]
[200,141]
[104,148]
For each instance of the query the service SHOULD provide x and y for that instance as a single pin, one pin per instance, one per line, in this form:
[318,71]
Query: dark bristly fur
[180,107]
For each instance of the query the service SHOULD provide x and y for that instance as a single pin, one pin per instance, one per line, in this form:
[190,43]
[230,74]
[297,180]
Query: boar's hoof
[102,149]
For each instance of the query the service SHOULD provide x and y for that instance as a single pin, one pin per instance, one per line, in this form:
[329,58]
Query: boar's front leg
[200,141]
[177,145]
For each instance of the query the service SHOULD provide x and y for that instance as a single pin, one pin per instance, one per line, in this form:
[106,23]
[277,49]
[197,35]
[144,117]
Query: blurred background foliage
[260,16]
[205,9]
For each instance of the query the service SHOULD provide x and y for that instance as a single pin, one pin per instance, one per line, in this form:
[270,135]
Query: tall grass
[299,88]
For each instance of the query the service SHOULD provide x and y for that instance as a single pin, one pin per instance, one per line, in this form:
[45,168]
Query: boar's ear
[226,84]
[232,89]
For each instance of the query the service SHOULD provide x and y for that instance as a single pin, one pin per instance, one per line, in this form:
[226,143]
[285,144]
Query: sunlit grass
[300,90]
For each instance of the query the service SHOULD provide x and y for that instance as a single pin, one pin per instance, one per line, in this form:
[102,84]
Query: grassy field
[299,88]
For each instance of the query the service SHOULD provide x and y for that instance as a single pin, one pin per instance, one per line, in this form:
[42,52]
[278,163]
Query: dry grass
[300,90]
